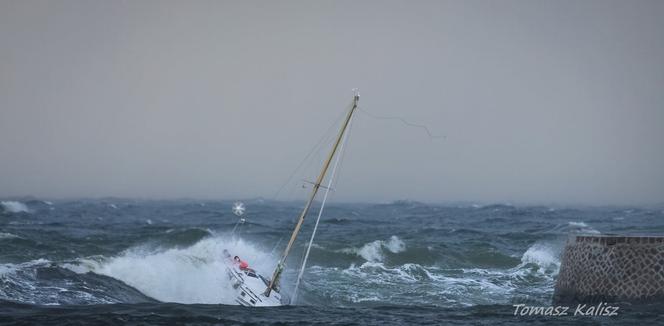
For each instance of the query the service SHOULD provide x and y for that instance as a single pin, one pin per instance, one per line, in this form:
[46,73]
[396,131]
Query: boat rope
[404,121]
[236,236]
[320,213]
[275,246]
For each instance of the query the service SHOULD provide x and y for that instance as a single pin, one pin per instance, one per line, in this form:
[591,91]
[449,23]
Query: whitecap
[582,227]
[11,268]
[4,235]
[545,256]
[578,224]
[395,245]
[14,207]
[374,251]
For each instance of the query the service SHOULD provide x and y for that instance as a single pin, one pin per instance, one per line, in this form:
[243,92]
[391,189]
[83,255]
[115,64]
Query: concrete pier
[605,268]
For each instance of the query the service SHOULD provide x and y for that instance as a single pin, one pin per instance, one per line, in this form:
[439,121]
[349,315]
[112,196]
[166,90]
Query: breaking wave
[544,256]
[582,227]
[377,281]
[14,207]
[43,282]
[375,251]
[193,274]
[4,235]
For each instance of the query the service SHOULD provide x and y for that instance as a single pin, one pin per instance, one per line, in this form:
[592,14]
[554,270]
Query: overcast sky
[540,101]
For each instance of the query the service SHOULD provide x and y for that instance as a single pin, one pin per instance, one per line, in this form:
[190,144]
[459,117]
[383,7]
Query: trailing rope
[404,121]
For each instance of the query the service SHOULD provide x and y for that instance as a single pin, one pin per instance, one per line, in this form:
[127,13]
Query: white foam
[395,245]
[11,268]
[544,256]
[14,207]
[22,283]
[317,246]
[4,235]
[7,268]
[582,227]
[375,272]
[375,279]
[358,299]
[373,251]
[185,275]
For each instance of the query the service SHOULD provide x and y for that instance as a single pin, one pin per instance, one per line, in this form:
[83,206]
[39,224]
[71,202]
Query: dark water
[121,261]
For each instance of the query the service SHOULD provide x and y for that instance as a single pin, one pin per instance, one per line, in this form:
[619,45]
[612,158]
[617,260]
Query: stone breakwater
[597,268]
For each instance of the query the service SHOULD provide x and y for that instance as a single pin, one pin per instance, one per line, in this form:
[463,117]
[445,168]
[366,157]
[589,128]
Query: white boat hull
[250,287]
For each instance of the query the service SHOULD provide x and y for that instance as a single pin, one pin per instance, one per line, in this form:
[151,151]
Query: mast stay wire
[308,160]
[335,181]
[320,211]
[311,163]
[315,148]
[342,155]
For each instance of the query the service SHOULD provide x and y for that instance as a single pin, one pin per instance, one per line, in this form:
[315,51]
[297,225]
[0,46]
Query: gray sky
[541,101]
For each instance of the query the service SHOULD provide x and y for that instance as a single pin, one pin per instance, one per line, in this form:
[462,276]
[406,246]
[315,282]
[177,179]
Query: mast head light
[238,208]
[356,92]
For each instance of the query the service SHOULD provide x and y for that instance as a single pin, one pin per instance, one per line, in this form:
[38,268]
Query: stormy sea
[121,261]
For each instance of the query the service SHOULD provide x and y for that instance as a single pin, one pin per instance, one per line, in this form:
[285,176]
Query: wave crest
[193,274]
[374,251]
[546,257]
[14,207]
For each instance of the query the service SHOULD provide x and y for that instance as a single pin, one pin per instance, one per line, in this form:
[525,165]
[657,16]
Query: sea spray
[194,274]
[544,255]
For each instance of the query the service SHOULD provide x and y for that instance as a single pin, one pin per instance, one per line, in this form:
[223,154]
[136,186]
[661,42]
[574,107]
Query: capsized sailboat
[255,290]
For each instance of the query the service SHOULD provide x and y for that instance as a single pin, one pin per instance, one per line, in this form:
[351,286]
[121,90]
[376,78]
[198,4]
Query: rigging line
[342,156]
[275,246]
[404,121]
[307,167]
[341,162]
[313,149]
[320,213]
[333,182]
[239,221]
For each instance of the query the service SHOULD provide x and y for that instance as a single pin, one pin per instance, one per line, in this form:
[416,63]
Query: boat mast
[312,196]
